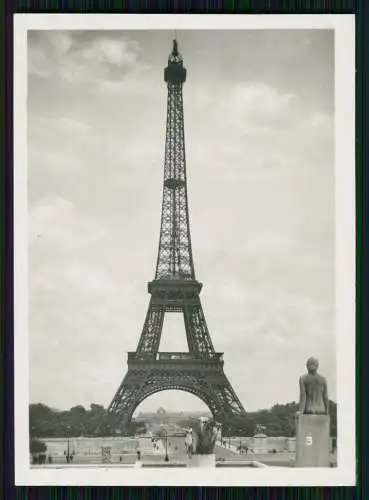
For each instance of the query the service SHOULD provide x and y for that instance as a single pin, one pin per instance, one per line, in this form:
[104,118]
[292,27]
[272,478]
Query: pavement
[229,446]
[271,459]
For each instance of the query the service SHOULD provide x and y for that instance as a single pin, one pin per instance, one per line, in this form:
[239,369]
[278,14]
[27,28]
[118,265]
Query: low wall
[279,444]
[89,450]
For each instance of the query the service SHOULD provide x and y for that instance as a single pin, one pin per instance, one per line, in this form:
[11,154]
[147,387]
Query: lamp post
[166,458]
[68,455]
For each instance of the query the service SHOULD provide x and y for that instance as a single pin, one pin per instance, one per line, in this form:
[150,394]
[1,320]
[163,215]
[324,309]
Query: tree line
[45,422]
[76,422]
[278,421]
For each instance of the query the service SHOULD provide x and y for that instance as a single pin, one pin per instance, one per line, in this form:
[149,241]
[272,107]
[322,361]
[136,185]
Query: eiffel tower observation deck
[175,289]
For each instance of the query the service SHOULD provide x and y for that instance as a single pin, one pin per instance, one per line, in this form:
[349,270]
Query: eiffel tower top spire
[175,45]
[175,260]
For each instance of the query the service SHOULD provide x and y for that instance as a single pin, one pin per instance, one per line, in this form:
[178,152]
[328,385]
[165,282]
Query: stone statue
[260,430]
[313,391]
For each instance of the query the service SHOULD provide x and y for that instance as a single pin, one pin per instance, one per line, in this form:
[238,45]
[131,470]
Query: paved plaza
[152,450]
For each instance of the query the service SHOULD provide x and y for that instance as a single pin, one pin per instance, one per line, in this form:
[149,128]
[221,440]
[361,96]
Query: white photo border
[345,472]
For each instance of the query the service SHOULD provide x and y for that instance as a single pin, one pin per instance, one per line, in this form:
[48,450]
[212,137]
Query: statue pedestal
[312,441]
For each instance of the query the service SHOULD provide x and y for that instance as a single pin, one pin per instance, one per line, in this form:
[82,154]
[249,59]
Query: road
[177,450]
[176,446]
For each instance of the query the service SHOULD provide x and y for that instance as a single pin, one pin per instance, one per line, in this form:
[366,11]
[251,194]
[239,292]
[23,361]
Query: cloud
[261,104]
[70,124]
[55,220]
[64,240]
[72,57]
[248,106]
[254,129]
[270,242]
[61,124]
[106,50]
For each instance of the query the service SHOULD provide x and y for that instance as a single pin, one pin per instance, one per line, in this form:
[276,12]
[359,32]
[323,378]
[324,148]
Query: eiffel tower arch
[207,385]
[175,289]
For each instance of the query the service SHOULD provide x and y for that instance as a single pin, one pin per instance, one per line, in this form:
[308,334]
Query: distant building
[162,416]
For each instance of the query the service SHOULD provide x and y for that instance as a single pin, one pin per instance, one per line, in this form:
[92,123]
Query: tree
[95,408]
[37,446]
[206,435]
[78,410]
[134,428]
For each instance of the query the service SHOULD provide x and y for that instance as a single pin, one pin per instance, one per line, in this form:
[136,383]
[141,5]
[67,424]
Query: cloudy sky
[259,138]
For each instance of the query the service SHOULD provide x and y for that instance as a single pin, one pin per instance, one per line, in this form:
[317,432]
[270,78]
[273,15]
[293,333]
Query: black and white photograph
[184,200]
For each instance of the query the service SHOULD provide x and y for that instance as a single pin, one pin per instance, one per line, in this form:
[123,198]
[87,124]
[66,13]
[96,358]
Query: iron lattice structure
[175,289]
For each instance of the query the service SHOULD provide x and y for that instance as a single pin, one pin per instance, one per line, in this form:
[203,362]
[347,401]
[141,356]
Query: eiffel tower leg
[230,407]
[198,337]
[129,394]
[223,401]
[151,332]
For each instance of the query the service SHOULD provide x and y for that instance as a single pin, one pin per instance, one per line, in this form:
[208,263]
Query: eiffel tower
[176,290]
